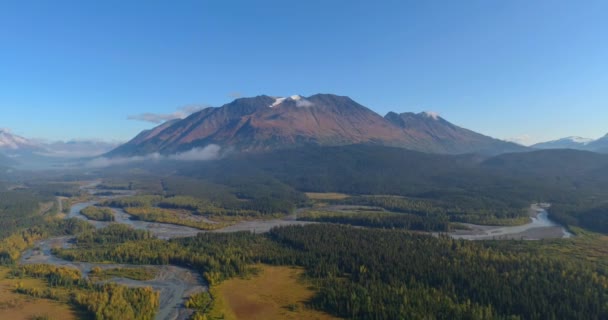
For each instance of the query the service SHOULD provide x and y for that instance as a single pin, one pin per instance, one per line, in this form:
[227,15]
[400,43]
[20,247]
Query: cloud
[209,152]
[235,95]
[303,103]
[181,113]
[106,162]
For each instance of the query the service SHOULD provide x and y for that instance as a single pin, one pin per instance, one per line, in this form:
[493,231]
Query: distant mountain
[435,134]
[577,143]
[36,154]
[565,143]
[76,148]
[599,145]
[265,123]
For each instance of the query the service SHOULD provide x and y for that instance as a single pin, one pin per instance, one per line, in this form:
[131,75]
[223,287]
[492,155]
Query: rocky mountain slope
[266,123]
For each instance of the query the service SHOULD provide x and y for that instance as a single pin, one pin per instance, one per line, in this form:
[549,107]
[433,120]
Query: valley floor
[275,293]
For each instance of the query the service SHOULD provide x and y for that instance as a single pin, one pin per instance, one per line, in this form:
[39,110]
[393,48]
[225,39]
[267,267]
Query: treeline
[98,213]
[196,206]
[221,194]
[461,208]
[161,215]
[591,215]
[141,274]
[54,189]
[236,192]
[382,274]
[114,233]
[103,302]
[383,220]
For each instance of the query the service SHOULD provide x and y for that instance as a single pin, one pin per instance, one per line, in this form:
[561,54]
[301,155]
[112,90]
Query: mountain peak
[579,139]
[280,100]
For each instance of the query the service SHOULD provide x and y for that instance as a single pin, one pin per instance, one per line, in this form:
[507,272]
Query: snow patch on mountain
[300,101]
[580,140]
[431,114]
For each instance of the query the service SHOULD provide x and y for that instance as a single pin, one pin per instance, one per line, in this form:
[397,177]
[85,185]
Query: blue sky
[530,69]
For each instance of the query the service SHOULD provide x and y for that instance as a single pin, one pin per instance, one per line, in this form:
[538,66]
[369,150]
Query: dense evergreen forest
[18,209]
[383,220]
[481,210]
[390,274]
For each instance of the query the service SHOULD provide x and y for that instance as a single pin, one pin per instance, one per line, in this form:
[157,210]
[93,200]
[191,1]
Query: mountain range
[18,149]
[577,143]
[265,123]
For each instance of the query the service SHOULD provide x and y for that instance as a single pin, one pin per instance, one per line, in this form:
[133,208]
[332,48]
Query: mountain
[599,145]
[37,154]
[265,123]
[435,134]
[565,143]
[76,148]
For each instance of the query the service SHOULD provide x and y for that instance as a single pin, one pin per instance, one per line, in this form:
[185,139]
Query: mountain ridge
[18,147]
[576,143]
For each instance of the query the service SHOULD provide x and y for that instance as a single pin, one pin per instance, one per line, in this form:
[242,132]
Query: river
[540,227]
[174,284]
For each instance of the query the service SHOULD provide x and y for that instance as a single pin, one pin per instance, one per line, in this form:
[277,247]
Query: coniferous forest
[390,275]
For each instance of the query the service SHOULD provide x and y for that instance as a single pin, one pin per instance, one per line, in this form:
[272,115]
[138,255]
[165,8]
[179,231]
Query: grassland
[274,293]
[16,306]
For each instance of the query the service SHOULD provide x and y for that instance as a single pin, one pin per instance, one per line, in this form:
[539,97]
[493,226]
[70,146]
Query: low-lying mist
[209,152]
